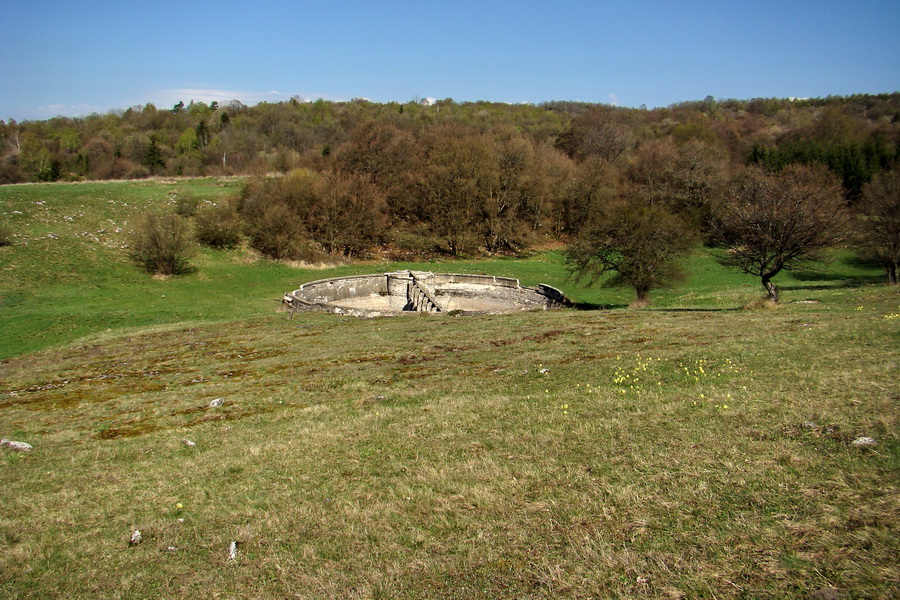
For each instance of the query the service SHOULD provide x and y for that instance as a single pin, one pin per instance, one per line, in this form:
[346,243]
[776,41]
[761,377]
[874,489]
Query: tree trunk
[770,288]
[643,297]
[892,274]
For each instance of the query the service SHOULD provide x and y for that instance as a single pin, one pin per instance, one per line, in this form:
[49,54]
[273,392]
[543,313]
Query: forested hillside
[457,177]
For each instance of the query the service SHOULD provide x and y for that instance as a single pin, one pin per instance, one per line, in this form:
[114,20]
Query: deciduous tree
[187,143]
[602,131]
[775,222]
[460,175]
[346,214]
[686,178]
[592,187]
[388,158]
[880,222]
[639,243]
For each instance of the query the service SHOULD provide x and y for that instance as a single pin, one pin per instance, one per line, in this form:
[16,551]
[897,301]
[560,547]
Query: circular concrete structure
[419,291]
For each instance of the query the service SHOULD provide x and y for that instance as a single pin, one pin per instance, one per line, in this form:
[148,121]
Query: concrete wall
[470,293]
[341,288]
[442,278]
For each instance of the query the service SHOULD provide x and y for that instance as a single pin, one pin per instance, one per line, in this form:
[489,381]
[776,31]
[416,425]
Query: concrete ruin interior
[407,292]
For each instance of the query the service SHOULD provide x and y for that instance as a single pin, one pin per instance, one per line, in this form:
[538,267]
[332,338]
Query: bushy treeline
[859,132]
[229,139]
[343,178]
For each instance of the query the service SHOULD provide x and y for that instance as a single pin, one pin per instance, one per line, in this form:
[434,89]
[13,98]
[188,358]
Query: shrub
[303,214]
[218,226]
[279,233]
[6,238]
[163,243]
[413,239]
[10,173]
[345,214]
[273,209]
[186,206]
[134,171]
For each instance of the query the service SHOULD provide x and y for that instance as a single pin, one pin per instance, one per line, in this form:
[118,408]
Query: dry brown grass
[663,454]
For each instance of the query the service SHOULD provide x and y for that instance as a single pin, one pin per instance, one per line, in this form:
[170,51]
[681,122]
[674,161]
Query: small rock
[864,442]
[232,551]
[17,446]
[217,403]
[188,443]
[171,548]
[827,593]
[135,538]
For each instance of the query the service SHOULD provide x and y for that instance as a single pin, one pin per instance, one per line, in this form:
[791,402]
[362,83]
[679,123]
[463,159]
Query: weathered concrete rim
[410,292]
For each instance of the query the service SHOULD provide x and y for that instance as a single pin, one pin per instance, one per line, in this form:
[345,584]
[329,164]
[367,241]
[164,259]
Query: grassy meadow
[694,449]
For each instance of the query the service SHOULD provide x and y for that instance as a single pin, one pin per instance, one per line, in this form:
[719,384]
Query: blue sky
[78,57]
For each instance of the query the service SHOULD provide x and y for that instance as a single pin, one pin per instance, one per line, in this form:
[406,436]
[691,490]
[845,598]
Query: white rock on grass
[135,538]
[217,403]
[17,446]
[188,443]
[232,551]
[864,442]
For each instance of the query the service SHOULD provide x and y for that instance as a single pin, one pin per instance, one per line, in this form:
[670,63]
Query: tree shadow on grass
[694,310]
[831,281]
[835,285]
[588,306]
[593,306]
[840,273]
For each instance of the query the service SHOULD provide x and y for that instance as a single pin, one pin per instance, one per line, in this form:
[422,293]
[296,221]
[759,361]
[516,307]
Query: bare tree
[603,131]
[346,214]
[774,222]
[880,222]
[388,158]
[461,175]
[686,178]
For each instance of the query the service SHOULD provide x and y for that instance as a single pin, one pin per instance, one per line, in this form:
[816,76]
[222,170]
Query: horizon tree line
[629,190]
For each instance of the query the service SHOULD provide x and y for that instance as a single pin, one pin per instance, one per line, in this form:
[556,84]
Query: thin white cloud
[60,110]
[166,97]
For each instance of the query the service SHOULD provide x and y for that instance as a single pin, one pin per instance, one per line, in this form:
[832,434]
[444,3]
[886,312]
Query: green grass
[689,450]
[58,289]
